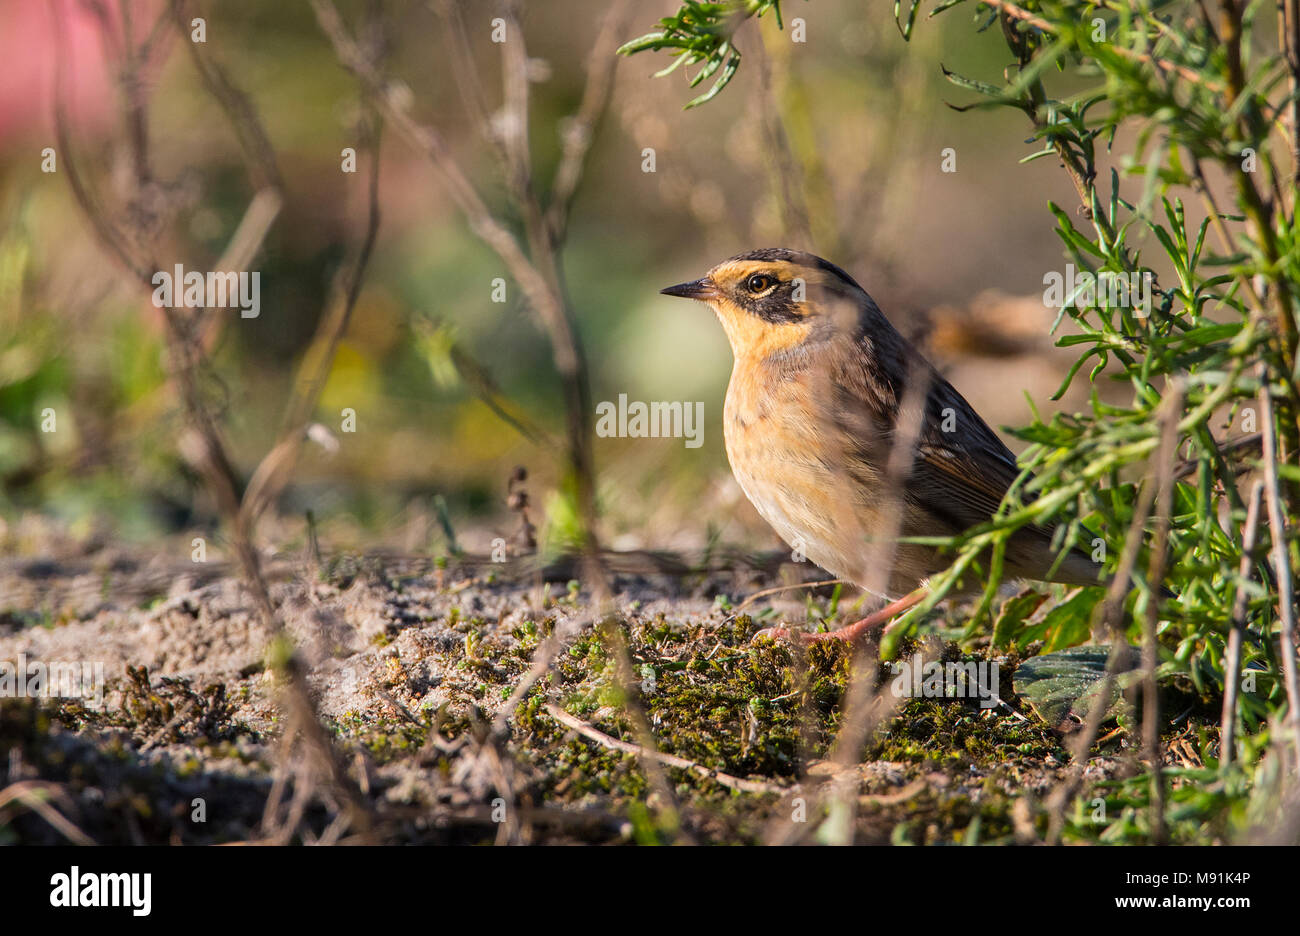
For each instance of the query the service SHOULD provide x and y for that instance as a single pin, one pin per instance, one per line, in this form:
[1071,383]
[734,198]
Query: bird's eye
[759,282]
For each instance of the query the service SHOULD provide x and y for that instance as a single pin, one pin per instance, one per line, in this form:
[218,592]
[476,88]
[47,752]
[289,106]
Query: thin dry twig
[478,379]
[254,141]
[1111,620]
[274,471]
[542,659]
[538,275]
[1289,40]
[537,270]
[466,73]
[787,173]
[865,706]
[1258,210]
[430,143]
[202,442]
[669,808]
[669,760]
[1232,655]
[581,127]
[1281,564]
[1164,484]
[35,795]
[778,589]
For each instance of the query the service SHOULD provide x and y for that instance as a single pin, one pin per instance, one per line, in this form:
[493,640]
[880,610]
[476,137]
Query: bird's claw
[785,635]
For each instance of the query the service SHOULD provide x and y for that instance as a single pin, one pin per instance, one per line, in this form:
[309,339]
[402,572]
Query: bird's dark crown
[797,258]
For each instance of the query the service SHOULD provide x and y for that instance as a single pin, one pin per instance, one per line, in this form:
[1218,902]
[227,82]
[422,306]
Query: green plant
[1211,360]
[700,34]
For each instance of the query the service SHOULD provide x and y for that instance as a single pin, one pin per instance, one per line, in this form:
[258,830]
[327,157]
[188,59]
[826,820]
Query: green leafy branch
[701,34]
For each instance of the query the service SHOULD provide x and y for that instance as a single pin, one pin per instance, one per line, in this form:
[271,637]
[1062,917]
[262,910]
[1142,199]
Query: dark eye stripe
[775,307]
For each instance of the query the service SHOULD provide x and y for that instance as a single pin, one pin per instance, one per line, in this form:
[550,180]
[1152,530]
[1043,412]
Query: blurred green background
[945,254]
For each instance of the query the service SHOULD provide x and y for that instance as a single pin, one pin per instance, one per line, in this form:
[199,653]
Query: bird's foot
[778,634]
[852,633]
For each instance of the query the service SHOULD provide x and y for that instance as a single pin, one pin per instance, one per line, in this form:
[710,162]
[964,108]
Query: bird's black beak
[702,289]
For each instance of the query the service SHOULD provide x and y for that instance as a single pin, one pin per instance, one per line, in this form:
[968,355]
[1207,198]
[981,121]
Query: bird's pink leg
[857,629]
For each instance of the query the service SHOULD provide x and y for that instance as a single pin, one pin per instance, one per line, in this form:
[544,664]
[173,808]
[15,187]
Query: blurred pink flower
[28,53]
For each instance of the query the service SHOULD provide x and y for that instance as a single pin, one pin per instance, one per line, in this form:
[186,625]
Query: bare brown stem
[1277,522]
[1289,40]
[202,442]
[787,174]
[276,468]
[1172,408]
[537,275]
[1232,655]
[1111,620]
[253,139]
[456,39]
[35,795]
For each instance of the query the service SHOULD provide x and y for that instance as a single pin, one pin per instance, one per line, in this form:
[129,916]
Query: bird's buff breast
[781,462]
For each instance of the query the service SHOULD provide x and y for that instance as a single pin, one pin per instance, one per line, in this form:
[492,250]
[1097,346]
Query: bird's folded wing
[959,476]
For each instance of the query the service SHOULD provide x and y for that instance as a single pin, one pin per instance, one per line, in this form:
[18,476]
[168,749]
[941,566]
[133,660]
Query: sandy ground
[409,665]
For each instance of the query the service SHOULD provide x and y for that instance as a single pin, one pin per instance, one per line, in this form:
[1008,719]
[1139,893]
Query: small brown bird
[825,396]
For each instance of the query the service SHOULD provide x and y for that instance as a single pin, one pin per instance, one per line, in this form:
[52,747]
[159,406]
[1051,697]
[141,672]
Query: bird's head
[772,300]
